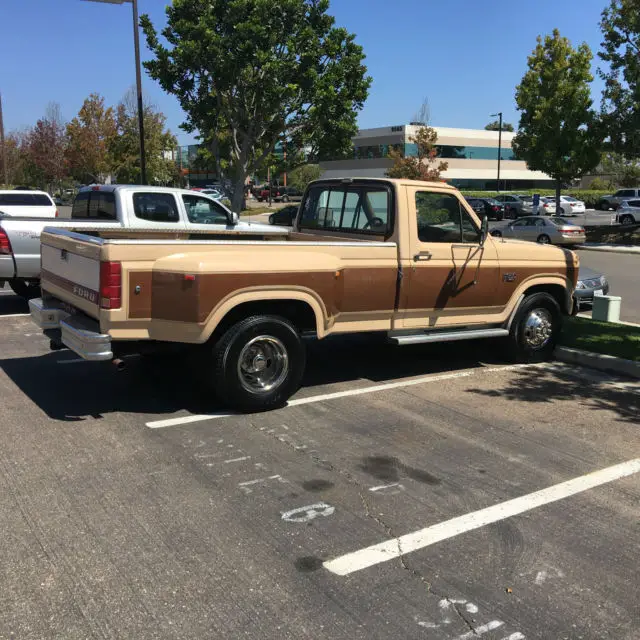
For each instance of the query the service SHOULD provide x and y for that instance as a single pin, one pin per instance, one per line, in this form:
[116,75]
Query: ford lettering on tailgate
[87,294]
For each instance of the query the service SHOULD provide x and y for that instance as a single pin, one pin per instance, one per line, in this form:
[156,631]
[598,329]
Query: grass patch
[619,340]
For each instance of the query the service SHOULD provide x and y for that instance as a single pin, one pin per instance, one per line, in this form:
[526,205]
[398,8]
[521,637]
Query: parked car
[590,283]
[570,206]
[512,203]
[109,208]
[613,202]
[288,194]
[543,230]
[628,212]
[243,307]
[27,204]
[214,193]
[284,216]
[527,205]
[489,207]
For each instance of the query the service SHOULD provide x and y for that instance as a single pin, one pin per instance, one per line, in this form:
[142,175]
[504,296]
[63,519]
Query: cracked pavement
[219,529]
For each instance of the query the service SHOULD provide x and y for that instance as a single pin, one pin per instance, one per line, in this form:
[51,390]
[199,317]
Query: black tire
[543,238]
[285,198]
[496,233]
[561,211]
[272,219]
[24,289]
[627,219]
[525,329]
[233,388]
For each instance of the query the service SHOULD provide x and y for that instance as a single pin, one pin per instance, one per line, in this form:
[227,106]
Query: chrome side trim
[55,231]
[447,336]
[83,337]
[235,243]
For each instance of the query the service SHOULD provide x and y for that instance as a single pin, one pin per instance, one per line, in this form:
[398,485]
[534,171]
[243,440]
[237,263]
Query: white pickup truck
[118,208]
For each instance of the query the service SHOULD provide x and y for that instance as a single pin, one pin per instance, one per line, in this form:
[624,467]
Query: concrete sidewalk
[611,248]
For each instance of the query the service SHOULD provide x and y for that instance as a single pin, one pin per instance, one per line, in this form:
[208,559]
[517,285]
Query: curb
[598,361]
[610,248]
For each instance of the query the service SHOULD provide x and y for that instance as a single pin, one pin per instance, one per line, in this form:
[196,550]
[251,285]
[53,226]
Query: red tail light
[5,245]
[495,208]
[57,213]
[110,285]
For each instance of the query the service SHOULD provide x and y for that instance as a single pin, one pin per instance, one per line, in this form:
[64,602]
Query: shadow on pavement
[540,385]
[11,303]
[76,391]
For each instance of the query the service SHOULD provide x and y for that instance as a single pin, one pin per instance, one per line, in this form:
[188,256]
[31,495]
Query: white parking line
[396,547]
[173,422]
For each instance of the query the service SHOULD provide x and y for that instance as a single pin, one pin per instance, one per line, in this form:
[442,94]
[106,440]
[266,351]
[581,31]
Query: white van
[27,204]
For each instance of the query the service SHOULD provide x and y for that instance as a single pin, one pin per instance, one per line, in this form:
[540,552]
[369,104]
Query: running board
[447,336]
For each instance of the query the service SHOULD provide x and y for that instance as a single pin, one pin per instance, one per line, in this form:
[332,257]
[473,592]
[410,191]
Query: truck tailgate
[71,270]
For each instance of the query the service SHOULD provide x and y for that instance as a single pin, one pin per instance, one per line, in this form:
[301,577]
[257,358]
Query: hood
[512,249]
[588,274]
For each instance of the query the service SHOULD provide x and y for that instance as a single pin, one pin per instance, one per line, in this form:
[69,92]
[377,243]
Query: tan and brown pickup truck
[403,257]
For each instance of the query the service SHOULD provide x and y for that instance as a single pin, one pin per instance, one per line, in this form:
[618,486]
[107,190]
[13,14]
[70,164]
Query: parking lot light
[136,41]
[493,115]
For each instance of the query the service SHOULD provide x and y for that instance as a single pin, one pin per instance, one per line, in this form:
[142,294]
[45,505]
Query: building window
[474,153]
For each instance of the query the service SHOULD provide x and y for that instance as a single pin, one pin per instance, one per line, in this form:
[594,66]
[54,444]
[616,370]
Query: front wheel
[25,289]
[626,219]
[544,239]
[535,329]
[258,364]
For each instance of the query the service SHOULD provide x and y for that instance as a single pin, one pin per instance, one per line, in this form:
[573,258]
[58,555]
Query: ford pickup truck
[407,258]
[112,207]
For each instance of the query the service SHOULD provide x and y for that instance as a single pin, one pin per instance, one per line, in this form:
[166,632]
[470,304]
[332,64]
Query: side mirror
[484,230]
[235,218]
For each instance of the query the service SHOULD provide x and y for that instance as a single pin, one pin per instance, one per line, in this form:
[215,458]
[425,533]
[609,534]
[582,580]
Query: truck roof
[112,188]
[397,181]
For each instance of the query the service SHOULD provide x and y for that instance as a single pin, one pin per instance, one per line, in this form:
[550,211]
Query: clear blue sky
[466,56]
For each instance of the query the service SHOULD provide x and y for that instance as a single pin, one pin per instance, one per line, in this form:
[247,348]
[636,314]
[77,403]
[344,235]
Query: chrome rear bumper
[77,332]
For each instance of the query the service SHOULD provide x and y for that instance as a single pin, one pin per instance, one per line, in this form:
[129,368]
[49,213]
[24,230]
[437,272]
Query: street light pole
[4,148]
[493,115]
[136,42]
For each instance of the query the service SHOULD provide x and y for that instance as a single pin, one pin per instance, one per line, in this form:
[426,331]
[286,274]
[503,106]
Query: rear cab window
[94,205]
[363,209]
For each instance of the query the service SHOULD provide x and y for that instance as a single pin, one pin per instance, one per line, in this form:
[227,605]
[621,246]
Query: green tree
[159,144]
[495,126]
[623,171]
[248,72]
[620,27]
[90,139]
[422,166]
[558,131]
[301,176]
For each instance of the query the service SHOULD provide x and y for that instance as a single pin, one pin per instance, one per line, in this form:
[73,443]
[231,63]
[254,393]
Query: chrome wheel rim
[543,240]
[538,328]
[263,364]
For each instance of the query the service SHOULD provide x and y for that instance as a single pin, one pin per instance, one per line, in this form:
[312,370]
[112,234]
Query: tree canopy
[301,176]
[620,27]
[558,131]
[495,126]
[248,73]
[423,165]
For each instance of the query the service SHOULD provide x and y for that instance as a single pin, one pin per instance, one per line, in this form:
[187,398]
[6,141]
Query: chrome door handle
[422,256]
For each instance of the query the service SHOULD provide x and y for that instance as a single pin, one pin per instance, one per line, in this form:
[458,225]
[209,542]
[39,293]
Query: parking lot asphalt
[123,519]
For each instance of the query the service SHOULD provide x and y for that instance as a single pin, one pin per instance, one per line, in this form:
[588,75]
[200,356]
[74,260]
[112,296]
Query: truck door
[448,277]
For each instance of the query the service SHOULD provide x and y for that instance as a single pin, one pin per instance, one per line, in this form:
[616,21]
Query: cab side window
[204,211]
[155,207]
[441,218]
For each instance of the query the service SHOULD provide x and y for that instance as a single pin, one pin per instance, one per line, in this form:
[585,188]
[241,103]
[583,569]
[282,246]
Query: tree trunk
[237,201]
[558,187]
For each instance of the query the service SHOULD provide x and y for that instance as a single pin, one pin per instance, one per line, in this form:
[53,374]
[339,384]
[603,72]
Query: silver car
[628,212]
[542,230]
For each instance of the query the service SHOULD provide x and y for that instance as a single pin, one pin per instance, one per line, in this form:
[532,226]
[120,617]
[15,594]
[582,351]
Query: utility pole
[4,148]
[499,144]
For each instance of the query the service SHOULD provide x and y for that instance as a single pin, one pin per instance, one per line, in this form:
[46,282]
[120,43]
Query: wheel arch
[302,308]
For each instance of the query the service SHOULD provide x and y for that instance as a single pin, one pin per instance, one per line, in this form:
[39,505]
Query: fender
[540,280]
[268,294]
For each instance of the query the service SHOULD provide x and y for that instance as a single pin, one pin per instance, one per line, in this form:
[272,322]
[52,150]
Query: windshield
[493,202]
